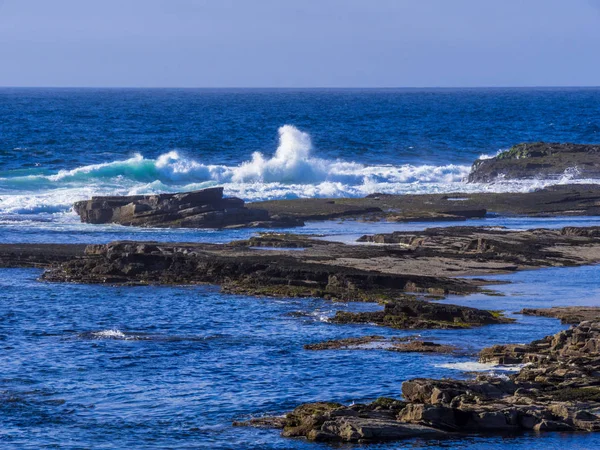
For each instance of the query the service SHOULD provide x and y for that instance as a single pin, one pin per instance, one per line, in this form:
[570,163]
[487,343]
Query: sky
[299,43]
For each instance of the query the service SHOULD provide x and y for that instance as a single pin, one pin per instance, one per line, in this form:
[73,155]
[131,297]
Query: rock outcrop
[558,390]
[566,314]
[539,160]
[297,266]
[206,208]
[243,271]
[562,200]
[409,344]
[409,313]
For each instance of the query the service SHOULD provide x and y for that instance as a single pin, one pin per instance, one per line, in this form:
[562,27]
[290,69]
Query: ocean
[172,367]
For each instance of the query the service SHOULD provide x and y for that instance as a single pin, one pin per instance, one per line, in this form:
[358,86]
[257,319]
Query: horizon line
[307,87]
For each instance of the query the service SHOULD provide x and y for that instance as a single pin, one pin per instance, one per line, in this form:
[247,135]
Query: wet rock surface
[566,314]
[539,160]
[398,344]
[558,390]
[243,270]
[559,200]
[206,208]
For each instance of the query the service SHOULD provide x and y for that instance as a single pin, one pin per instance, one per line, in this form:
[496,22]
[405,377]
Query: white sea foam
[293,171]
[109,334]
[472,366]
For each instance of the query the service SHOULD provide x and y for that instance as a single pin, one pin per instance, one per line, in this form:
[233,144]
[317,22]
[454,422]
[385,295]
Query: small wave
[108,334]
[472,366]
[491,155]
[116,334]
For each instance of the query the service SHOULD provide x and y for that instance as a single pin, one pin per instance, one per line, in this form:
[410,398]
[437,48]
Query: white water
[109,334]
[472,366]
[292,172]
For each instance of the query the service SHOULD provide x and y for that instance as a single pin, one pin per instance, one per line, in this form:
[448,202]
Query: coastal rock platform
[209,209]
[423,262]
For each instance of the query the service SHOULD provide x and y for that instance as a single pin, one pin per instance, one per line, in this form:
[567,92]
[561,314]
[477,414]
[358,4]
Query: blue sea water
[60,145]
[172,367]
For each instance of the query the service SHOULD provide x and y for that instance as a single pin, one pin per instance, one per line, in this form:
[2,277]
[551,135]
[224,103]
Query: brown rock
[205,208]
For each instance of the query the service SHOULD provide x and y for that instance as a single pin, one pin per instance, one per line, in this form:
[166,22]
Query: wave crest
[291,172]
[292,163]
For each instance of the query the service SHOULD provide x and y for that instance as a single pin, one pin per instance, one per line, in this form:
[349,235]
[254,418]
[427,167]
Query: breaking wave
[292,163]
[291,172]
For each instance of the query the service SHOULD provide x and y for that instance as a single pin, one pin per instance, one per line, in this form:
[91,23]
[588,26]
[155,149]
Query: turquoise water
[62,145]
[172,367]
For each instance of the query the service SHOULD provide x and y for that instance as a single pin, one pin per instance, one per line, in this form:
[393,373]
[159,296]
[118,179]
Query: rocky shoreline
[197,210]
[558,390]
[208,208]
[557,386]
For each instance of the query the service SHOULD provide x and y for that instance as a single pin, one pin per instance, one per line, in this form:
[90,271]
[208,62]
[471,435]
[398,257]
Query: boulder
[206,208]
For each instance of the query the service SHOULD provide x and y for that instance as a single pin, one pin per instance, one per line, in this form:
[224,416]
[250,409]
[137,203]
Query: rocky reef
[558,390]
[39,255]
[408,344]
[539,160]
[566,314]
[559,200]
[424,262]
[410,313]
[246,270]
[206,208]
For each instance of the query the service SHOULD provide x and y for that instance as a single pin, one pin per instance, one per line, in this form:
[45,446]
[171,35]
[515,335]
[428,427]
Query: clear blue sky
[299,43]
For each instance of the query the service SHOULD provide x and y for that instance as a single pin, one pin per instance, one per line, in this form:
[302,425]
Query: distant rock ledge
[539,160]
[197,209]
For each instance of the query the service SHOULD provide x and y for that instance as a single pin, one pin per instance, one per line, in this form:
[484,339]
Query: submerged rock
[206,208]
[409,344]
[559,390]
[539,159]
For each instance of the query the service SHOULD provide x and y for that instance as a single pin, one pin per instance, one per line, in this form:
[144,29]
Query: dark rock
[566,314]
[401,345]
[356,343]
[420,314]
[540,159]
[559,200]
[418,346]
[198,209]
[358,423]
[241,270]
